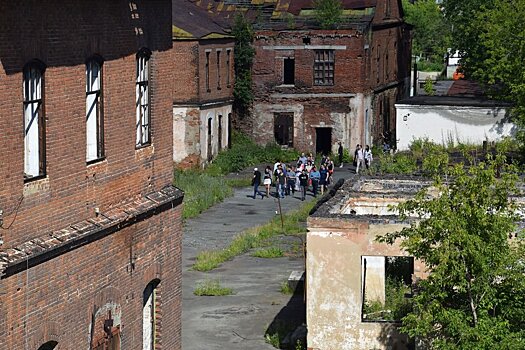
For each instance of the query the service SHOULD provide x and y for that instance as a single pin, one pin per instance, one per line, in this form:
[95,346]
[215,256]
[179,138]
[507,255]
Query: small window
[324,67]
[289,71]
[143,119]
[386,285]
[218,70]
[207,72]
[34,122]
[228,65]
[283,129]
[306,41]
[50,345]
[94,117]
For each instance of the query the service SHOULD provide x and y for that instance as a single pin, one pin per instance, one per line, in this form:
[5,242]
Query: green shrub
[285,288]
[429,66]
[399,163]
[211,288]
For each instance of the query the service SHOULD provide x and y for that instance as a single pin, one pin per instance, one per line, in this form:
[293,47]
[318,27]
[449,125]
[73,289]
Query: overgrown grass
[277,332]
[211,288]
[285,288]
[268,253]
[294,223]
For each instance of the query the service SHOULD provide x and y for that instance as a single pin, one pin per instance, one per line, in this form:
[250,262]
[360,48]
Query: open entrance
[210,155]
[283,129]
[323,140]
[289,71]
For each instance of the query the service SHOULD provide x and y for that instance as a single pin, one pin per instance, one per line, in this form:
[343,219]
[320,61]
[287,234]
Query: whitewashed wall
[443,124]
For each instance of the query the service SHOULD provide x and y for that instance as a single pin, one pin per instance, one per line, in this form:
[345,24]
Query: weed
[285,288]
[268,253]
[277,332]
[273,340]
[211,288]
[242,182]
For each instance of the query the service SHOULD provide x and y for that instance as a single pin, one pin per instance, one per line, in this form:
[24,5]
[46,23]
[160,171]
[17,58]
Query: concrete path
[239,321]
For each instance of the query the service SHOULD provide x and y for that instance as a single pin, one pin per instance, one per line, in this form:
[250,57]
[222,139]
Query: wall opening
[107,333]
[323,140]
[50,345]
[283,129]
[150,310]
[289,71]
[386,286]
[209,152]
[219,136]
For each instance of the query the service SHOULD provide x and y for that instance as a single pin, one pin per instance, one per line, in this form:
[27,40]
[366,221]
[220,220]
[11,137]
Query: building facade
[91,226]
[203,89]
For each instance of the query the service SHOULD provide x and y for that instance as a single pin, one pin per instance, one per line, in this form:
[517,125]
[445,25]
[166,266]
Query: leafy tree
[244,52]
[474,296]
[328,13]
[431,31]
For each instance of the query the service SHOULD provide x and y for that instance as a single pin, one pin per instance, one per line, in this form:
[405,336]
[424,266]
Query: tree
[244,52]
[431,33]
[328,13]
[474,296]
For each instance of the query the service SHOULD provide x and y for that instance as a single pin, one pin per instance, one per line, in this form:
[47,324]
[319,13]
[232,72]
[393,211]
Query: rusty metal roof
[193,22]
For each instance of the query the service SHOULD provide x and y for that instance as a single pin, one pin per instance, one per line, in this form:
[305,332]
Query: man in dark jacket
[256,181]
[303,182]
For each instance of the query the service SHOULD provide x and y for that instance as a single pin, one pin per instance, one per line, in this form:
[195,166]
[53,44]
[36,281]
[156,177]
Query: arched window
[149,311]
[34,121]
[142,99]
[50,345]
[94,115]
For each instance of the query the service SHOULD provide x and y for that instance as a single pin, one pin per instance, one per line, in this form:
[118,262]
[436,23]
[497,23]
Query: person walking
[290,181]
[303,182]
[368,158]
[360,156]
[340,154]
[280,182]
[256,181]
[330,168]
[267,180]
[323,181]
[316,177]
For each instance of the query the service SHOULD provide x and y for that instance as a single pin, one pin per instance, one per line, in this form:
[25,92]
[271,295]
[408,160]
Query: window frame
[34,70]
[324,64]
[143,104]
[95,61]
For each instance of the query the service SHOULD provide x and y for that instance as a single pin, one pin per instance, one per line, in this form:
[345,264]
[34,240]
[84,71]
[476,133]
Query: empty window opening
[143,129]
[228,65]
[219,133]
[323,141]
[34,122]
[306,41]
[218,70]
[94,117]
[386,285]
[210,154]
[283,129]
[50,345]
[289,71]
[324,67]
[150,310]
[207,72]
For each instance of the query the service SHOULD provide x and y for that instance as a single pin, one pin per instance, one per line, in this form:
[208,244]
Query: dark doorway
[220,133]
[50,345]
[229,130]
[210,155]
[283,129]
[289,71]
[323,140]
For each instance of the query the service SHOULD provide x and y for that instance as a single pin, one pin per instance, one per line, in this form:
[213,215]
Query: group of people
[362,157]
[291,178]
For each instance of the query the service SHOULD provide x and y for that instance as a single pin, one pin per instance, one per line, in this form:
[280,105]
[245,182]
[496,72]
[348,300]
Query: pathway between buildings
[239,321]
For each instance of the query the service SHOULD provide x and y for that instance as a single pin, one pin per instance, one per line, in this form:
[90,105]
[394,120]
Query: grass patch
[277,332]
[211,288]
[285,288]
[294,223]
[241,182]
[269,253]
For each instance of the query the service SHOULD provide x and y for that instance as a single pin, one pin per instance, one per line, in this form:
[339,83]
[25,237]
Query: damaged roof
[189,21]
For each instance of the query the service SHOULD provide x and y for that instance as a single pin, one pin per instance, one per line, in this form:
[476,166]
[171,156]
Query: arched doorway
[50,345]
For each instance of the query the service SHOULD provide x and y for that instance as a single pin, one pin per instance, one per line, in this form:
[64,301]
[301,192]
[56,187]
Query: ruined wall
[185,55]
[335,247]
[219,88]
[186,136]
[214,139]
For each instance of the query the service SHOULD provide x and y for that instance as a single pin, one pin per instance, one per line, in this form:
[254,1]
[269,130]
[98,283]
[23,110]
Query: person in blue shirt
[323,181]
[316,177]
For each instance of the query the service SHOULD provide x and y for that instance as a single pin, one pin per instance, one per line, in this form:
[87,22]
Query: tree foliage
[244,52]
[474,296]
[328,13]
[431,33]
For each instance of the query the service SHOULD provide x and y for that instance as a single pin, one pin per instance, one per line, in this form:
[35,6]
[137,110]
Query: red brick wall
[63,34]
[214,93]
[56,300]
[186,77]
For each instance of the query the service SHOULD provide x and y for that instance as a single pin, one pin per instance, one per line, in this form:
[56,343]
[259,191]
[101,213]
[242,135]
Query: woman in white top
[368,157]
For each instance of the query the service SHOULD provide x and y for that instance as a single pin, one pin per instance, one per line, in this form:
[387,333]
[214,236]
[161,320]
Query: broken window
[283,129]
[324,67]
[142,95]
[94,119]
[289,71]
[386,285]
[34,122]
[149,312]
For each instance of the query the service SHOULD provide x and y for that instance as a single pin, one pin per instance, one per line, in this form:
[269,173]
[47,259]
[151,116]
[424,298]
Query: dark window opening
[386,286]
[306,41]
[289,71]
[228,54]
[219,132]
[50,345]
[210,155]
[218,70]
[207,72]
[324,67]
[323,140]
[283,129]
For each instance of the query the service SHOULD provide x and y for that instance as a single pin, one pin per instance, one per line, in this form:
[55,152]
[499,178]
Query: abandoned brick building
[316,87]
[90,255]
[203,89]
[347,269]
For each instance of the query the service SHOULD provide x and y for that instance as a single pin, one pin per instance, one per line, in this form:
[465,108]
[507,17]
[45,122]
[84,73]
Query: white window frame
[34,124]
[94,118]
[143,119]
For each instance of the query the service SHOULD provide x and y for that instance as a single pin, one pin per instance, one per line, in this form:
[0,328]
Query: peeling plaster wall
[213,114]
[186,134]
[466,124]
[334,301]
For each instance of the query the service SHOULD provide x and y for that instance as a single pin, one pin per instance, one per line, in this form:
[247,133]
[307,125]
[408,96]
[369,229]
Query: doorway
[323,140]
[283,129]
[210,155]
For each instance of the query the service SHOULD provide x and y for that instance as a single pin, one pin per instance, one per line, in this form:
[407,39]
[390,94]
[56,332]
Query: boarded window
[386,285]
[283,129]
[143,128]
[34,122]
[289,71]
[324,67]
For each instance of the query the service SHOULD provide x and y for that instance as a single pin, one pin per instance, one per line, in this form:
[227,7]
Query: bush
[400,163]
[211,288]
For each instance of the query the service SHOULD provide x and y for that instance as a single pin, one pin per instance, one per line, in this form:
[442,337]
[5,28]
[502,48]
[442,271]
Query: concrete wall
[334,297]
[444,124]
